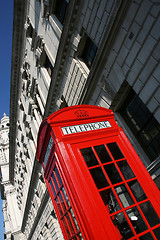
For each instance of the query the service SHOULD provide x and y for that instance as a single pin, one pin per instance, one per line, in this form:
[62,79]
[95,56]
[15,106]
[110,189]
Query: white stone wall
[12,216]
[32,100]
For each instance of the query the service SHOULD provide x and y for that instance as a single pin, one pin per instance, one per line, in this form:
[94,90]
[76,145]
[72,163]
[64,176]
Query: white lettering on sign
[85,127]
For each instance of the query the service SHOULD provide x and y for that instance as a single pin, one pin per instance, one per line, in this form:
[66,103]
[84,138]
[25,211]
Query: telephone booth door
[99,187]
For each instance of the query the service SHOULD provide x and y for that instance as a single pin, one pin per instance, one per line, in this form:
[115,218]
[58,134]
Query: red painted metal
[96,197]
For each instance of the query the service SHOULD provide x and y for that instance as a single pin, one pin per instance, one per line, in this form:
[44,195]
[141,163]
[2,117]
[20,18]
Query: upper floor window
[59,9]
[46,63]
[143,124]
[87,50]
[29,32]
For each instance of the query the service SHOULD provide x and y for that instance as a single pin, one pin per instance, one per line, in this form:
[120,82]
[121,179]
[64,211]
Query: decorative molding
[72,16]
[17,52]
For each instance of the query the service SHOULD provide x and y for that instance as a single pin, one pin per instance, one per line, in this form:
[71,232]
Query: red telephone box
[99,187]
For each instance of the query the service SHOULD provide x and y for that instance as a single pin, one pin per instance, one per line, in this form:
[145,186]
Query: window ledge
[82,65]
[46,77]
[29,40]
[57,26]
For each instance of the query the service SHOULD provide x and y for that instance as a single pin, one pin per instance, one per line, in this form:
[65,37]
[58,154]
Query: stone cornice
[72,16]
[17,52]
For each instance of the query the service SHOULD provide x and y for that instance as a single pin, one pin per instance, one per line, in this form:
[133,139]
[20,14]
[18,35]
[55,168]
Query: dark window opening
[63,103]
[87,50]
[48,65]
[29,32]
[143,124]
[60,10]
[89,157]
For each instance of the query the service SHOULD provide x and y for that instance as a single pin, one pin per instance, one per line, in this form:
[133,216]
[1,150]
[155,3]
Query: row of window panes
[133,221]
[109,172]
[63,204]
[49,147]
[105,154]
[104,163]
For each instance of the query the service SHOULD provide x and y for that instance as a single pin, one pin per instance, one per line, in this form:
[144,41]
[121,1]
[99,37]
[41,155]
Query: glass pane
[99,177]
[103,154]
[157,232]
[150,137]
[62,202]
[150,213]
[147,236]
[113,173]
[80,236]
[69,223]
[124,196]
[110,200]
[126,170]
[136,220]
[58,176]
[89,157]
[48,151]
[74,219]
[114,149]
[58,205]
[52,187]
[137,190]
[143,124]
[121,223]
[55,182]
[66,227]
[74,238]
[65,197]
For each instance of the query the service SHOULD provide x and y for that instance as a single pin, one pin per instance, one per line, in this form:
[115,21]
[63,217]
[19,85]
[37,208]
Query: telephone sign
[99,187]
[85,127]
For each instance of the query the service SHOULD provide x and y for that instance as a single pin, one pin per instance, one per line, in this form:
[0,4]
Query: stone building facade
[72,52]
[12,216]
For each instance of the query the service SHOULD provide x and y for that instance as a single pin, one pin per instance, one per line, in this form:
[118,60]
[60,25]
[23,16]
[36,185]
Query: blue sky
[6,25]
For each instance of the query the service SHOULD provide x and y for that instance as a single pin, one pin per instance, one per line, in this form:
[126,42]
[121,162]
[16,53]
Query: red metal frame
[94,219]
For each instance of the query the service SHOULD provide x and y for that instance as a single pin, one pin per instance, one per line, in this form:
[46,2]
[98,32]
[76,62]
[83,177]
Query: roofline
[17,53]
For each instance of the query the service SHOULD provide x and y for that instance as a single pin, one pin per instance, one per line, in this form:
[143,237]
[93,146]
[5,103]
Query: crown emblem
[81,113]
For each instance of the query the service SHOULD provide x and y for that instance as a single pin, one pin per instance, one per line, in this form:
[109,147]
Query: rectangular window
[87,50]
[29,32]
[143,124]
[60,10]
[48,65]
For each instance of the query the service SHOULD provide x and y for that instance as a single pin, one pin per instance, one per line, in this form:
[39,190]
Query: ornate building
[71,52]
[10,210]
